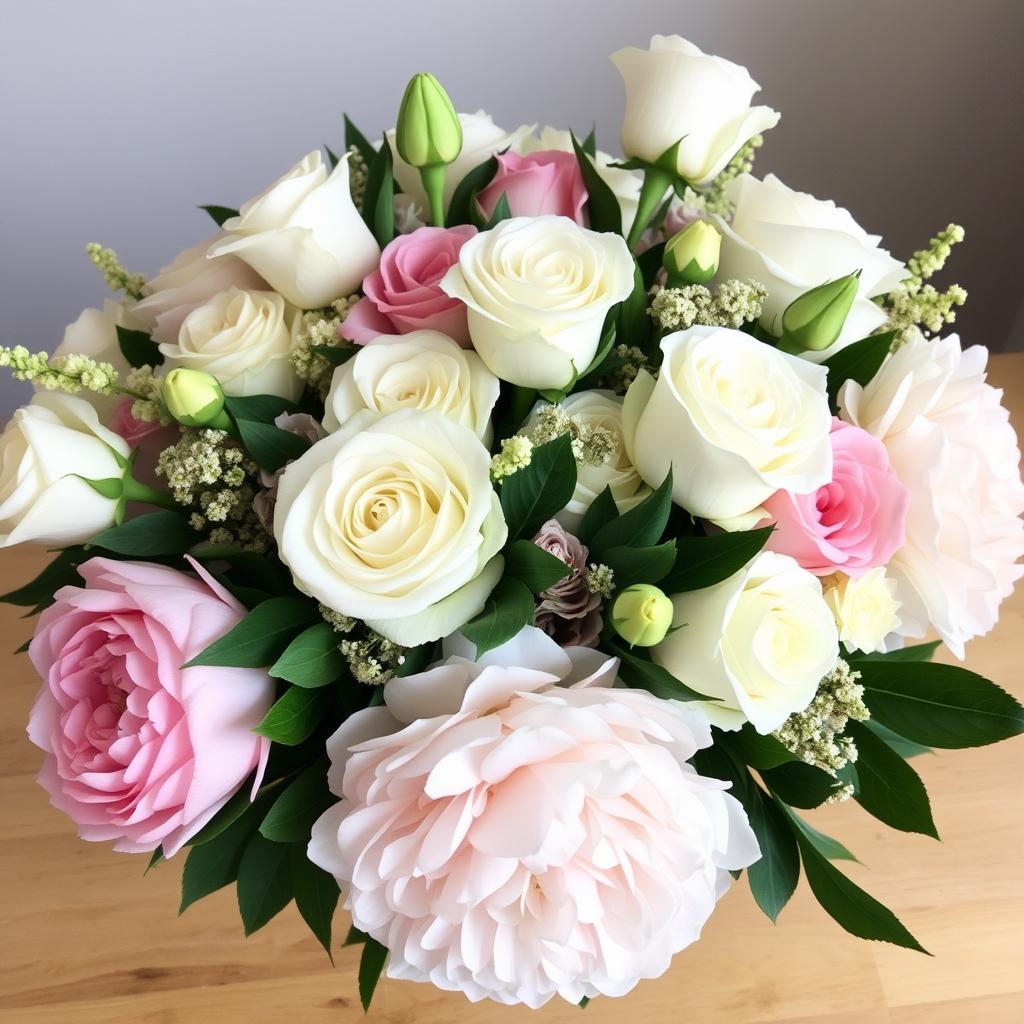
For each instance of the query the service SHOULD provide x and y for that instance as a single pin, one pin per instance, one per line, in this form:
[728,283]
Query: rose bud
[194,398]
[642,615]
[691,255]
[815,320]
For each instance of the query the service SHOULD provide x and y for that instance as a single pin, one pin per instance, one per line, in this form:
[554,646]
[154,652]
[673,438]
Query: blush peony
[514,828]
[139,749]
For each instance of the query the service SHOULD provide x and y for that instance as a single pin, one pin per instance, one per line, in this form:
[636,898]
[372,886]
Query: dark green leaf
[264,882]
[261,636]
[415,659]
[354,137]
[602,207]
[291,816]
[312,658]
[589,144]
[749,747]
[633,325]
[502,211]
[640,565]
[332,157]
[939,705]
[533,495]
[799,784]
[155,533]
[857,362]
[294,716]
[355,937]
[904,747]
[704,561]
[236,806]
[462,207]
[602,510]
[138,348]
[508,609]
[379,196]
[219,214]
[270,446]
[888,787]
[825,845]
[262,408]
[316,895]
[61,572]
[640,674]
[641,526]
[534,566]
[336,355]
[916,652]
[156,858]
[370,966]
[650,261]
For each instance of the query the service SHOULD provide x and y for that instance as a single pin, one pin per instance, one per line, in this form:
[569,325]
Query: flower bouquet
[513,540]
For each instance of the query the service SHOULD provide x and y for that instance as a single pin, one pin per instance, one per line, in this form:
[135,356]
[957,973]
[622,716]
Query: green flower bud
[642,615]
[194,398]
[813,321]
[691,255]
[428,132]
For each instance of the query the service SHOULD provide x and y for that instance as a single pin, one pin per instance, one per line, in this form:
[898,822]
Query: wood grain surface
[86,939]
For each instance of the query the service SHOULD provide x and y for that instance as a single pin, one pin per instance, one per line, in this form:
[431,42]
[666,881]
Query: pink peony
[852,524]
[403,294]
[138,749]
[547,181]
[514,828]
[568,610]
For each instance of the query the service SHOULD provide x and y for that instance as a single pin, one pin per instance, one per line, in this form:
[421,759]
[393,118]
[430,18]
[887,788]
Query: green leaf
[336,355]
[270,447]
[799,784]
[857,362]
[355,937]
[293,716]
[641,526]
[415,659]
[825,845]
[904,747]
[849,905]
[155,533]
[939,705]
[916,652]
[640,674]
[533,495]
[312,658]
[508,609]
[262,408]
[156,858]
[354,137]
[502,211]
[332,157]
[316,895]
[378,199]
[61,572]
[650,261]
[261,636]
[704,561]
[888,787]
[602,207]
[633,325]
[534,566]
[370,966]
[462,207]
[589,144]
[602,510]
[291,816]
[640,565]
[748,746]
[138,348]
[219,214]
[264,882]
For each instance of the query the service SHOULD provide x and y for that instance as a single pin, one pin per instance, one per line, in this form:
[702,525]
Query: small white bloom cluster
[319,327]
[733,304]
[71,373]
[600,579]
[591,445]
[373,659]
[516,453]
[117,278]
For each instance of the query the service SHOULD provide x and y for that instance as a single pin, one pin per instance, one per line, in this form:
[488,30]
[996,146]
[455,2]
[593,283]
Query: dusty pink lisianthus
[851,524]
[138,749]
[514,828]
[403,294]
[547,181]
[568,610]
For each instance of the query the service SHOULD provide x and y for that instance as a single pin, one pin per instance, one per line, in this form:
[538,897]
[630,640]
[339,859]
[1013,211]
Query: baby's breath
[732,304]
[118,279]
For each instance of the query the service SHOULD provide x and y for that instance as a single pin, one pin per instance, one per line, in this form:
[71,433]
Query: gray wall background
[117,118]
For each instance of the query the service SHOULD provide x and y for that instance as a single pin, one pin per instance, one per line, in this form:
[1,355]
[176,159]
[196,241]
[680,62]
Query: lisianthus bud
[691,255]
[194,398]
[428,130]
[642,615]
[813,321]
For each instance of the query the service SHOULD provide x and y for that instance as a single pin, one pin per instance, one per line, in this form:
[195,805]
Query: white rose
[792,242]
[243,339]
[735,419]
[865,609]
[393,520]
[760,642]
[47,452]
[673,92]
[188,282]
[950,443]
[481,138]
[419,370]
[303,235]
[537,291]
[600,409]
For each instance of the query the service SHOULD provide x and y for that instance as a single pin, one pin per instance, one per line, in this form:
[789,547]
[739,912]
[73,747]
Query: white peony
[950,443]
[735,419]
[393,520]
[303,235]
[760,641]
[419,370]
[537,291]
[792,242]
[865,608]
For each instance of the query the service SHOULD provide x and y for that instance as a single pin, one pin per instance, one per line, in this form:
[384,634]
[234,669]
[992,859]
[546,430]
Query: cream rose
[675,92]
[865,608]
[243,339]
[303,235]
[48,450]
[419,370]
[792,242]
[189,281]
[600,409]
[393,520]
[735,419]
[537,290]
[760,642]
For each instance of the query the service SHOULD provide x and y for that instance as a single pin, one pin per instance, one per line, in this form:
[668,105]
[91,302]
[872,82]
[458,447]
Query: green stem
[656,184]
[136,491]
[433,182]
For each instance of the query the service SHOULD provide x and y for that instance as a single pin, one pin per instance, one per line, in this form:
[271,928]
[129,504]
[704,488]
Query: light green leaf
[312,659]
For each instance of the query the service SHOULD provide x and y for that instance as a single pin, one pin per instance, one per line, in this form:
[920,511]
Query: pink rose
[138,749]
[403,294]
[547,181]
[852,524]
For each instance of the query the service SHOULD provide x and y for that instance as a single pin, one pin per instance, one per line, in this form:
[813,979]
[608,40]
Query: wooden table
[86,939]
